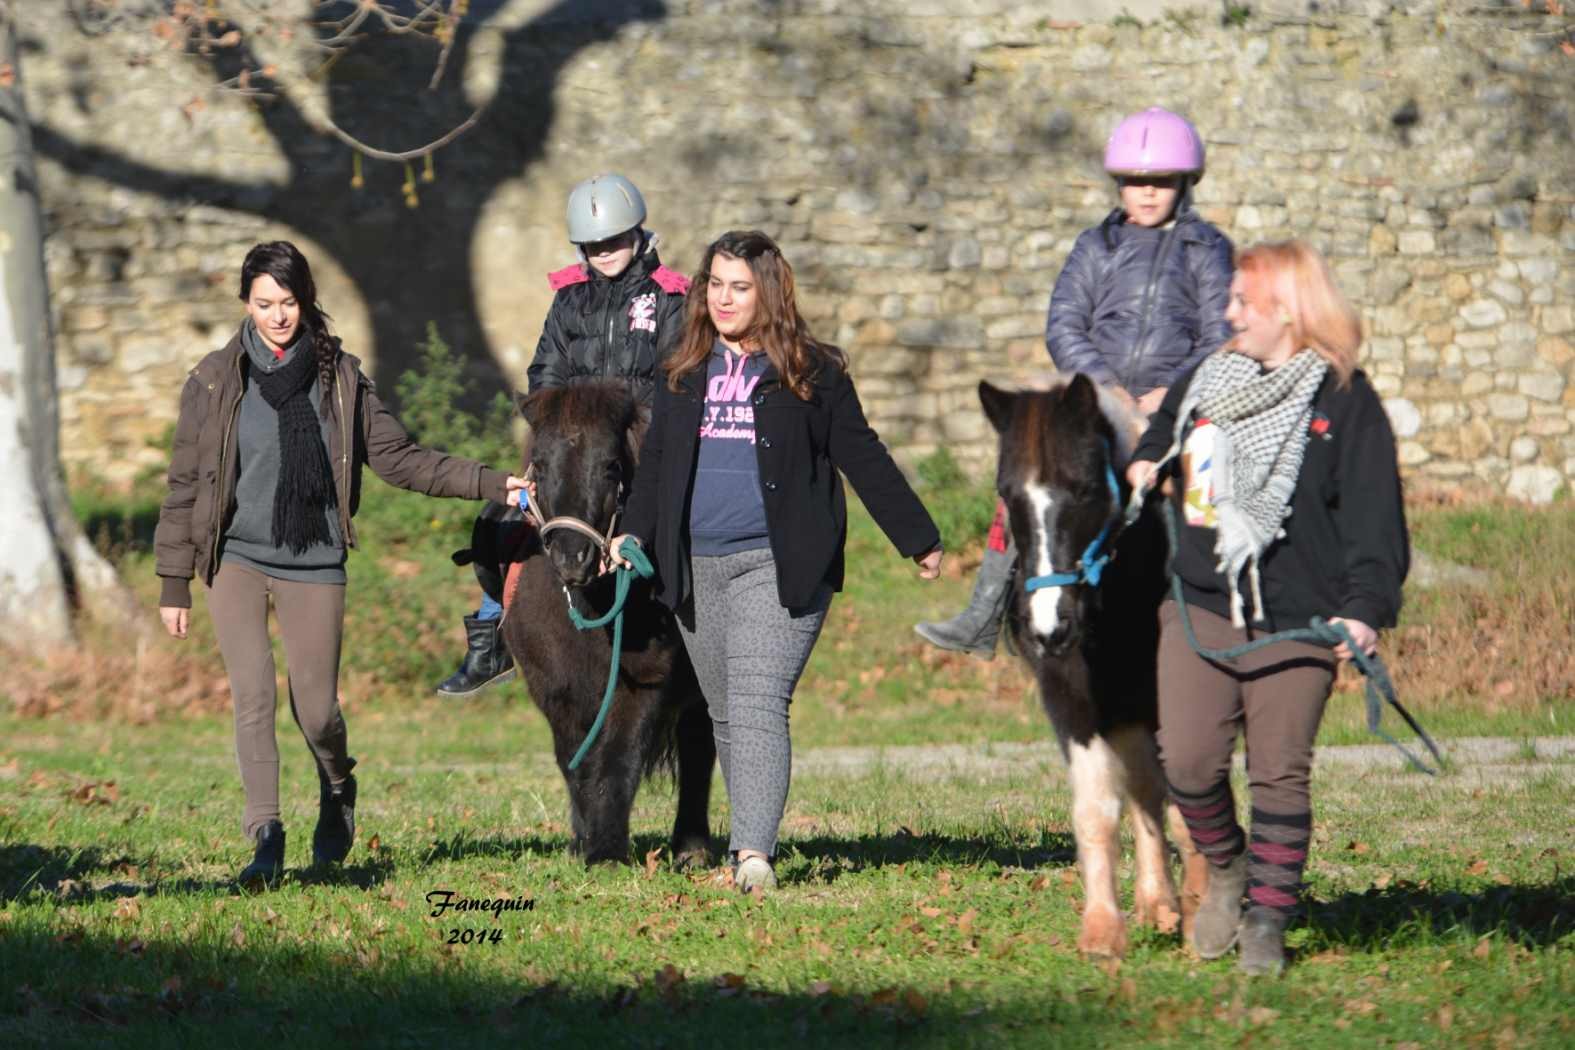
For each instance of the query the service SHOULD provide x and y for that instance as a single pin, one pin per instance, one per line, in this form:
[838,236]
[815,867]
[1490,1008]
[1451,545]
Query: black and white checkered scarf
[1262,420]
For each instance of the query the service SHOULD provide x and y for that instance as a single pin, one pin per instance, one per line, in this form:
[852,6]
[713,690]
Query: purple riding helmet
[1155,142]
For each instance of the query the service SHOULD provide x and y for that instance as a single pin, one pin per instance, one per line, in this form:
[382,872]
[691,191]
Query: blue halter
[1091,566]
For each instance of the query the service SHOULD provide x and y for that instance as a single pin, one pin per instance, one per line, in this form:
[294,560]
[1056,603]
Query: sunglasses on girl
[611,244]
[1159,182]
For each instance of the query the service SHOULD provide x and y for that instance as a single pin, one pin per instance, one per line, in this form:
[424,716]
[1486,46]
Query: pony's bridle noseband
[561,522]
[1091,566]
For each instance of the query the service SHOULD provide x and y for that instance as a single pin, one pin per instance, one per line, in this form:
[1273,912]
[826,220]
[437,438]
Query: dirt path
[1481,757]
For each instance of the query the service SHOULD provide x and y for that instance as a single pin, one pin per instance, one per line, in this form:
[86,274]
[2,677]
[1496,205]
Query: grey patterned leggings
[748,652]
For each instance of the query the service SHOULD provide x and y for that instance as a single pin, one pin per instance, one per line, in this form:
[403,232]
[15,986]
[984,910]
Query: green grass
[918,906]
[922,904]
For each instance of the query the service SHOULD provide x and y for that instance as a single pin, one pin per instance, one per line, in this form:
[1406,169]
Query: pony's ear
[997,405]
[1081,395]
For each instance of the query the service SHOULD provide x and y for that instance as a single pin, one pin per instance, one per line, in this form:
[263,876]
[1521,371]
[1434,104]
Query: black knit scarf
[305,491]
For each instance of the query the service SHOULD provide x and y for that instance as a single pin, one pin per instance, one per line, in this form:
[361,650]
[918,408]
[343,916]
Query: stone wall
[925,165]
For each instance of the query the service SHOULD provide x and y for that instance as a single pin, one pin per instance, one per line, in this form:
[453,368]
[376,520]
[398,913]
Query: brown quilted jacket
[203,464]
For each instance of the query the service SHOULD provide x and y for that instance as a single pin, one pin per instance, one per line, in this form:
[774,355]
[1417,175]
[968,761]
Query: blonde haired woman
[1288,493]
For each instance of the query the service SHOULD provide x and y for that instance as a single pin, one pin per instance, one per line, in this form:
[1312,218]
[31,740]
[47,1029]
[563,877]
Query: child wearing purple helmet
[1141,300]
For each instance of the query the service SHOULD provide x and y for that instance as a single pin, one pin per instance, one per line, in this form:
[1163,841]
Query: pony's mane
[1128,423]
[581,404]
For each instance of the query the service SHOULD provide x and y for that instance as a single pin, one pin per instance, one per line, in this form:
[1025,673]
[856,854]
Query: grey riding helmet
[604,206]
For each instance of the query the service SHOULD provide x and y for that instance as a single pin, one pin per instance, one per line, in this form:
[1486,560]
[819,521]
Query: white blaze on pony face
[1042,603]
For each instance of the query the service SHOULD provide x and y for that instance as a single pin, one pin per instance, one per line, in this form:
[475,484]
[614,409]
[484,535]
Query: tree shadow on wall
[410,265]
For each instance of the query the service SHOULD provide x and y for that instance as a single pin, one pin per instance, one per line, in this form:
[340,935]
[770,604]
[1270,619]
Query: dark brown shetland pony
[584,442]
[1093,648]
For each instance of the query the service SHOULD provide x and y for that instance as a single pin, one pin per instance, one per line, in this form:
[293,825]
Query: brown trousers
[1275,696]
[311,621]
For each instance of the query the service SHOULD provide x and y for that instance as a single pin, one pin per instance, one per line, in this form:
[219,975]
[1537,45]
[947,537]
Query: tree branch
[372,153]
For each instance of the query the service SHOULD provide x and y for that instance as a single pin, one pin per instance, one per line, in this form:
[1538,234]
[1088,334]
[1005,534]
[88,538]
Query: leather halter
[573,524]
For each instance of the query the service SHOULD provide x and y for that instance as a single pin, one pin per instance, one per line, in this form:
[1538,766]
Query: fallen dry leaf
[127,909]
[667,978]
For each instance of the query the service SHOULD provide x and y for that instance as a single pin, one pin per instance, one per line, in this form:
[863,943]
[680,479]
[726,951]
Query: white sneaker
[755,873]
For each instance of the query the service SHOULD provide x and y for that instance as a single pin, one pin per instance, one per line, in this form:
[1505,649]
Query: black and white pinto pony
[585,439]
[1091,639]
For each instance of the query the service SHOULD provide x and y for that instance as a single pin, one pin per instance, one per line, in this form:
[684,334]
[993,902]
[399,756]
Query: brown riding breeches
[311,623]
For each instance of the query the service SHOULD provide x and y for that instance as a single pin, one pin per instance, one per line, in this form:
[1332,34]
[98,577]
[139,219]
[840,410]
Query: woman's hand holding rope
[1140,475]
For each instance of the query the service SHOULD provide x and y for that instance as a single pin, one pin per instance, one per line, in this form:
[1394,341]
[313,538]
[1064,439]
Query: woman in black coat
[738,502]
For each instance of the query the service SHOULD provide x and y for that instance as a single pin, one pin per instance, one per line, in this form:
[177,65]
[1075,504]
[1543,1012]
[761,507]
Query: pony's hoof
[606,856]
[1104,936]
[691,858]
[1163,913]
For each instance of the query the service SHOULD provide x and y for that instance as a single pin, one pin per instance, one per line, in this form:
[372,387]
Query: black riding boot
[335,818]
[975,629]
[267,864]
[486,661]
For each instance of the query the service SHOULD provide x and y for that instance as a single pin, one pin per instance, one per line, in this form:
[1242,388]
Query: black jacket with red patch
[610,328]
[1346,550]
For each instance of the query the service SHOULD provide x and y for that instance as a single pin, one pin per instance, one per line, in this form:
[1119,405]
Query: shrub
[962,507]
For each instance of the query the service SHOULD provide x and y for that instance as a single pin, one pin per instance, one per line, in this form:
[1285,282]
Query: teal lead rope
[639,565]
[1380,687]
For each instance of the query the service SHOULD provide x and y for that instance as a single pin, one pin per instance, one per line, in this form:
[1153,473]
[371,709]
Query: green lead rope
[1380,687]
[639,565]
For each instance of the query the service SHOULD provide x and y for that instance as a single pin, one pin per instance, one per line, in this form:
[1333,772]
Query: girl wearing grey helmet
[615,314]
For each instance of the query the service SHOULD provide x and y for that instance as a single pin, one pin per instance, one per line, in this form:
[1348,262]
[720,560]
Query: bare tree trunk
[48,569]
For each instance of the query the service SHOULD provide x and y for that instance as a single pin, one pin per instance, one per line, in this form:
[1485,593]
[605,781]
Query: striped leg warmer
[1211,820]
[1277,856]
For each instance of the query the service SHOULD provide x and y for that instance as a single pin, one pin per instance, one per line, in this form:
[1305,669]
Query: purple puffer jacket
[1136,308]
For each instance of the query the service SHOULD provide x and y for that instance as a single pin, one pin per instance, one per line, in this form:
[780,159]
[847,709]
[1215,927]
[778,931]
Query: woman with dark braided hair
[264,479]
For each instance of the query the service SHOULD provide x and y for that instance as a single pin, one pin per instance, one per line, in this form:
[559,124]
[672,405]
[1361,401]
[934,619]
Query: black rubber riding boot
[1262,943]
[975,629]
[267,864]
[335,829]
[486,661]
